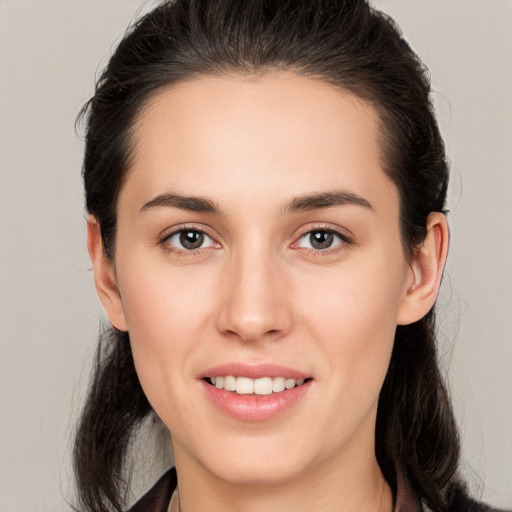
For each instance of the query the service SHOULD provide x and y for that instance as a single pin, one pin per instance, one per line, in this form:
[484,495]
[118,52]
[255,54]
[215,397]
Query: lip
[255,408]
[254,371]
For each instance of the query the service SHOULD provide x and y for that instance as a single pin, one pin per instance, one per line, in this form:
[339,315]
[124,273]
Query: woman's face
[258,237]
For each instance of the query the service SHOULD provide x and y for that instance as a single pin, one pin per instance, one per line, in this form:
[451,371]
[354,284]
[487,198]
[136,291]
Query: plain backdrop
[50,52]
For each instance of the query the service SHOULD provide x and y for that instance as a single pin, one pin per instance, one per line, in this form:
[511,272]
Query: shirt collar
[406,499]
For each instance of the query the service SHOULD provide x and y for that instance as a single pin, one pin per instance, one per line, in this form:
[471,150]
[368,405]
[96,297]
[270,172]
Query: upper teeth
[247,386]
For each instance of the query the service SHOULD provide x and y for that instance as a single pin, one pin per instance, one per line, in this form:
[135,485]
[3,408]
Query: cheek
[166,313]
[357,303]
[353,320]
[162,302]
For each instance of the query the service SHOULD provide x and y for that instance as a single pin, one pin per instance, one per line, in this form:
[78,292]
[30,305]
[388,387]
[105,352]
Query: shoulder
[158,497]
[455,496]
[459,501]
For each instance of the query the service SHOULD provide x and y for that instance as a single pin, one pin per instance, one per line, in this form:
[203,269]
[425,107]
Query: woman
[266,184]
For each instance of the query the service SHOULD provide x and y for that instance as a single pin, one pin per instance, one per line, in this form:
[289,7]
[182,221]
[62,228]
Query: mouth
[262,386]
[255,392]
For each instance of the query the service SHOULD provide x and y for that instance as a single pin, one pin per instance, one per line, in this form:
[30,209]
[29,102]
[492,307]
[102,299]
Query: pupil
[321,239]
[191,239]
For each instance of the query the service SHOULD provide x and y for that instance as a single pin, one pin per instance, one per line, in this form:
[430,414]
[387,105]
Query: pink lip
[256,371]
[254,407]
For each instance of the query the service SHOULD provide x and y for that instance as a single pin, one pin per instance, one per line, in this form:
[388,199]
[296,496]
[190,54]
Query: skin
[257,291]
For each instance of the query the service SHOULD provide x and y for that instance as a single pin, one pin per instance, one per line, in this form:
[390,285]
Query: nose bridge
[254,304]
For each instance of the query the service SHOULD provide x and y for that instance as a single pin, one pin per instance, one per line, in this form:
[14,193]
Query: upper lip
[254,371]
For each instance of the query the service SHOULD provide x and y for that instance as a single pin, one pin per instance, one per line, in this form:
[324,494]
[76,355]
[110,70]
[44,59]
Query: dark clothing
[158,498]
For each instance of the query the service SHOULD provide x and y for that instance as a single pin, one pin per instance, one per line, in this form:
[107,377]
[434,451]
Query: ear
[104,276]
[425,271]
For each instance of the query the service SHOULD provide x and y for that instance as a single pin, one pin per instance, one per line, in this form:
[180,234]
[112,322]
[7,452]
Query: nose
[256,301]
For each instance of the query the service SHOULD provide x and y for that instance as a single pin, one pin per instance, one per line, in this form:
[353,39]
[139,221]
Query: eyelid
[345,235]
[164,238]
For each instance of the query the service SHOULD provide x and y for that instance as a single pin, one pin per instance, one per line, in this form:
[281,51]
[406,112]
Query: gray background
[49,54]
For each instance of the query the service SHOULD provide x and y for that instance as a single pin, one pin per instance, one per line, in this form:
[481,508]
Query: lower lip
[255,407]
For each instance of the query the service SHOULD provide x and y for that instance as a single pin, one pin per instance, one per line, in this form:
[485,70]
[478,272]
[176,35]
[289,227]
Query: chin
[264,471]
[270,466]
[246,460]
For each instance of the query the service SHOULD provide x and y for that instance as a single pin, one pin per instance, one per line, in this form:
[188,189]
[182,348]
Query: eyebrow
[326,200]
[302,203]
[189,203]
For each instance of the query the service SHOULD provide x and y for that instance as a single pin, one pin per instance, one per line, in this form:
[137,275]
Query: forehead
[277,134]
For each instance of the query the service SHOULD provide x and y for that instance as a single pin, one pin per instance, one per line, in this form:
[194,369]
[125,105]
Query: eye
[189,240]
[321,239]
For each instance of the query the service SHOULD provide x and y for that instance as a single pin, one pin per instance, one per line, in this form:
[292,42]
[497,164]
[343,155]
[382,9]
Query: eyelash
[344,241]
[177,251]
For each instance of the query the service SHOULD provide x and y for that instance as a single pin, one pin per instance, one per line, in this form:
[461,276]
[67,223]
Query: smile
[255,393]
[260,386]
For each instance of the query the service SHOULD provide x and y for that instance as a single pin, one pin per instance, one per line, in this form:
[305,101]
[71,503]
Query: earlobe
[426,270]
[104,276]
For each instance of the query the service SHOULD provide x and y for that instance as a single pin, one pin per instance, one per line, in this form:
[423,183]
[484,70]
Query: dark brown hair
[351,46]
